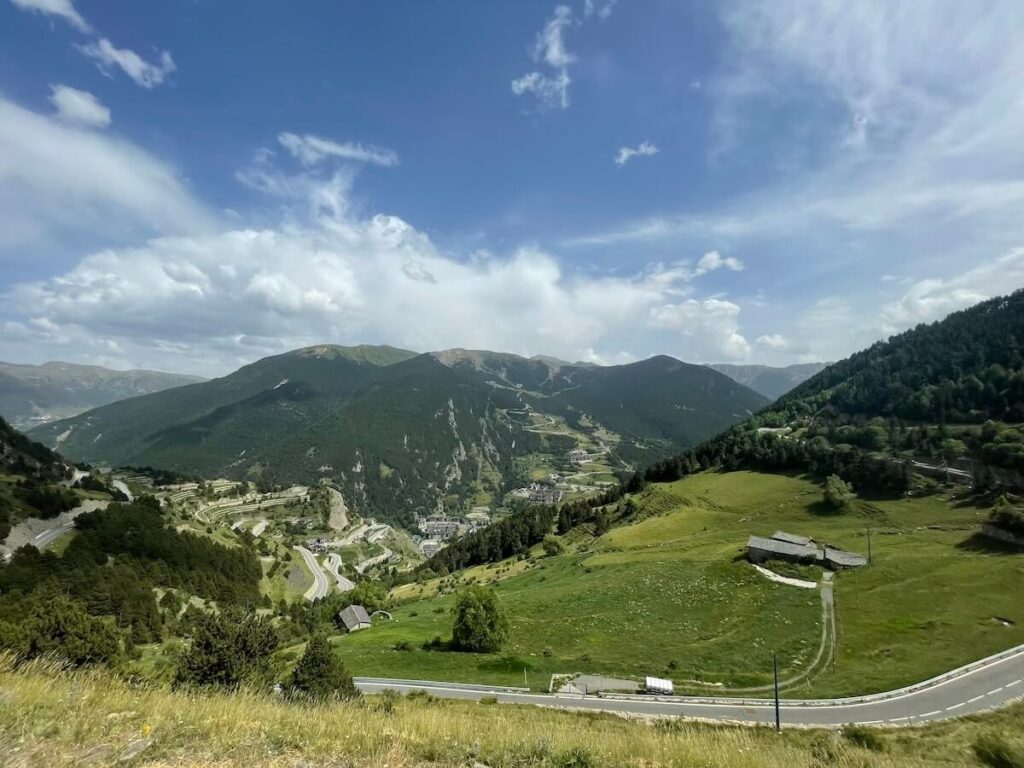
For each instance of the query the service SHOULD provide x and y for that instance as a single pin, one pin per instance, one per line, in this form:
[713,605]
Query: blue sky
[191,186]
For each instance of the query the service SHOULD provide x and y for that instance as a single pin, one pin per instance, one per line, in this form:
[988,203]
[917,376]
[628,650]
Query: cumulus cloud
[59,178]
[64,9]
[551,88]
[144,73]
[644,149]
[78,106]
[713,319]
[932,299]
[772,341]
[209,302]
[310,150]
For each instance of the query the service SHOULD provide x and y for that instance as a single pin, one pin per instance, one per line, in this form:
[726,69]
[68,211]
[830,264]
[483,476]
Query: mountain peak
[369,354]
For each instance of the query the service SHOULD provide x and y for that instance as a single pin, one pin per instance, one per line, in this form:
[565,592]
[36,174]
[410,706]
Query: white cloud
[772,341]
[918,139]
[78,106]
[713,260]
[713,320]
[58,178]
[644,149]
[63,8]
[209,302]
[144,73]
[932,299]
[310,150]
[602,9]
[551,89]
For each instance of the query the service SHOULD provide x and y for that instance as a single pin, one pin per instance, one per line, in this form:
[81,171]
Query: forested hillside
[401,433]
[29,472]
[951,391]
[967,368]
[99,598]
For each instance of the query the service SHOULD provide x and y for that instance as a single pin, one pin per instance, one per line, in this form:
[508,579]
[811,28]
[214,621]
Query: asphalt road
[333,567]
[981,686]
[320,583]
[46,538]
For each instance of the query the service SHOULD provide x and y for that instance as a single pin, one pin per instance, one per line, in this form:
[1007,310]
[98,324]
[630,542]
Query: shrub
[838,493]
[228,649]
[480,622]
[403,645]
[320,674]
[434,644]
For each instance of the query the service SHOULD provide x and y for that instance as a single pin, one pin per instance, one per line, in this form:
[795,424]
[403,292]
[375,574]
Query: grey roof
[792,538]
[847,559]
[353,616]
[782,547]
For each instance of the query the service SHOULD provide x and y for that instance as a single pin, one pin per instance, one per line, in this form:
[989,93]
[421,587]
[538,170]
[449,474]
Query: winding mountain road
[334,569]
[986,684]
[320,583]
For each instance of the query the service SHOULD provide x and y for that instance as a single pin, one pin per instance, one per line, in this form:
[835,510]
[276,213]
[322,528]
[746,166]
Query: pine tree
[321,674]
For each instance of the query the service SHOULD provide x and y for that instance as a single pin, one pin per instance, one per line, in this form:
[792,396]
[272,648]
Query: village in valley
[310,543]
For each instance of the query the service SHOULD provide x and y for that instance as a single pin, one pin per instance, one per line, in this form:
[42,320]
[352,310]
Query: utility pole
[775,674]
[869,545]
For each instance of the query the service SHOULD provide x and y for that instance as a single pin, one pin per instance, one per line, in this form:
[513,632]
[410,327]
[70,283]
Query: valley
[525,384]
[859,552]
[402,434]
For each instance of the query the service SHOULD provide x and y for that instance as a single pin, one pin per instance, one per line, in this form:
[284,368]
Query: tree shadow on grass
[978,542]
[505,664]
[822,508]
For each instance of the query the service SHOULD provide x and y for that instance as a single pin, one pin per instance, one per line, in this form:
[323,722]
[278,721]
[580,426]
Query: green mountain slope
[33,394]
[401,432]
[769,381]
[949,391]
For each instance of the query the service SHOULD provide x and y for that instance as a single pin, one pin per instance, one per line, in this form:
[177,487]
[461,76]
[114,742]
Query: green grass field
[671,595]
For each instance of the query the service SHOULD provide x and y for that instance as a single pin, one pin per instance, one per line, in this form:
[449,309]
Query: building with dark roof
[792,538]
[837,559]
[355,618]
[800,549]
[760,549]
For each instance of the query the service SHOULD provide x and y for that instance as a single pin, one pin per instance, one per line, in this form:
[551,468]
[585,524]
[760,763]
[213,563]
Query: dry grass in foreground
[53,718]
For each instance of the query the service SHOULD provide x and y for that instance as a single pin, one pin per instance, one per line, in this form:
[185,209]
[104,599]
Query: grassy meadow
[671,595]
[63,719]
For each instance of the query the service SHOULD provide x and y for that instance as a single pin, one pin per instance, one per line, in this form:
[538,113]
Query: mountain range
[770,381]
[403,431]
[34,394]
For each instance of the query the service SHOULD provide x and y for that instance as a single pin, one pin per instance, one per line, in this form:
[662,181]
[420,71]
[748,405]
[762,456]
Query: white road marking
[976,698]
[994,690]
[955,706]
[930,714]
[1010,685]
